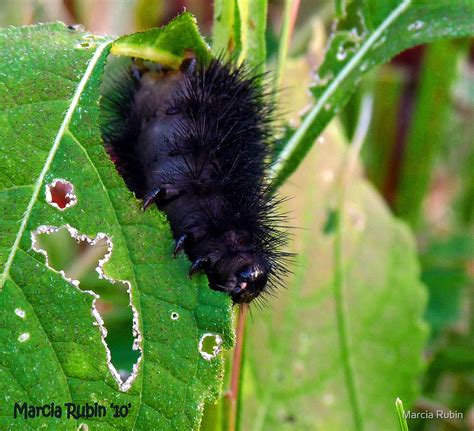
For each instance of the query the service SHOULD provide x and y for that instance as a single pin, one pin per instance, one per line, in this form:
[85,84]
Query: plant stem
[339,275]
[339,282]
[288,25]
[233,393]
[340,8]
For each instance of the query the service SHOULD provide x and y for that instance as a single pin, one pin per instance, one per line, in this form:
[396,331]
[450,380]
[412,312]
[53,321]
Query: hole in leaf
[210,346]
[60,194]
[20,313]
[79,259]
[174,315]
[85,45]
[24,337]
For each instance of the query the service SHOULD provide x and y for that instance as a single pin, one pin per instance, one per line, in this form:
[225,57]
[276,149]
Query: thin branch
[233,393]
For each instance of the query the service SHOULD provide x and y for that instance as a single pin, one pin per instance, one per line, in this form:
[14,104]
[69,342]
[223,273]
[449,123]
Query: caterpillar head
[250,281]
[243,278]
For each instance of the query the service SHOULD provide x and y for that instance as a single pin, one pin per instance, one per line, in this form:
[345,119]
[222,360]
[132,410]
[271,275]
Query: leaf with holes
[53,173]
[371,33]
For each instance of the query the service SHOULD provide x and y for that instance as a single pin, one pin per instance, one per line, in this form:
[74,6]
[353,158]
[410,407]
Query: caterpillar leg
[188,65]
[180,243]
[160,194]
[198,265]
[151,197]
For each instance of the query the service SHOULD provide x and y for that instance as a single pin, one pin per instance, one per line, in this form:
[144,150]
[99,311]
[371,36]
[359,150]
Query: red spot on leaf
[60,193]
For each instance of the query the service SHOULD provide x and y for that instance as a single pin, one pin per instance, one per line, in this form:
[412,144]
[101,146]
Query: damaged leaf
[372,33]
[162,44]
[51,344]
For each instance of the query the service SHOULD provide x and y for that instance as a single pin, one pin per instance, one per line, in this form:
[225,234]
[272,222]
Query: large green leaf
[371,34]
[52,346]
[345,340]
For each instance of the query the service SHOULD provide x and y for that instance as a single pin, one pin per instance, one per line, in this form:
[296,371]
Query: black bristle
[197,141]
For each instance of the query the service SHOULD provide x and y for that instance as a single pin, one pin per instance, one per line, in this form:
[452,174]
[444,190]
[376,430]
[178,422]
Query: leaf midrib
[57,141]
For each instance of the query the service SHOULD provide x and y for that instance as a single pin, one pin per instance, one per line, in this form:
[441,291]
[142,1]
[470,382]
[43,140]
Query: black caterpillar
[196,141]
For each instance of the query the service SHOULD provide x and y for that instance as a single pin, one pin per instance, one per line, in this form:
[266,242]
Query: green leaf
[427,127]
[346,338]
[167,45]
[382,31]
[225,34]
[239,27]
[253,23]
[445,272]
[52,346]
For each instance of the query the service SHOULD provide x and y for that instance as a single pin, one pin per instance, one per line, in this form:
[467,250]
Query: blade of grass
[388,91]
[427,130]
[401,415]
[339,281]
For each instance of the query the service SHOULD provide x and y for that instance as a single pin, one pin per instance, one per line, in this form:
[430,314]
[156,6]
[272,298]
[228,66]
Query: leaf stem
[233,393]
[339,283]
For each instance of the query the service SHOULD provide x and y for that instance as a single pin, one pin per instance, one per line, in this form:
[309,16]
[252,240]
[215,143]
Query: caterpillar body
[196,142]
